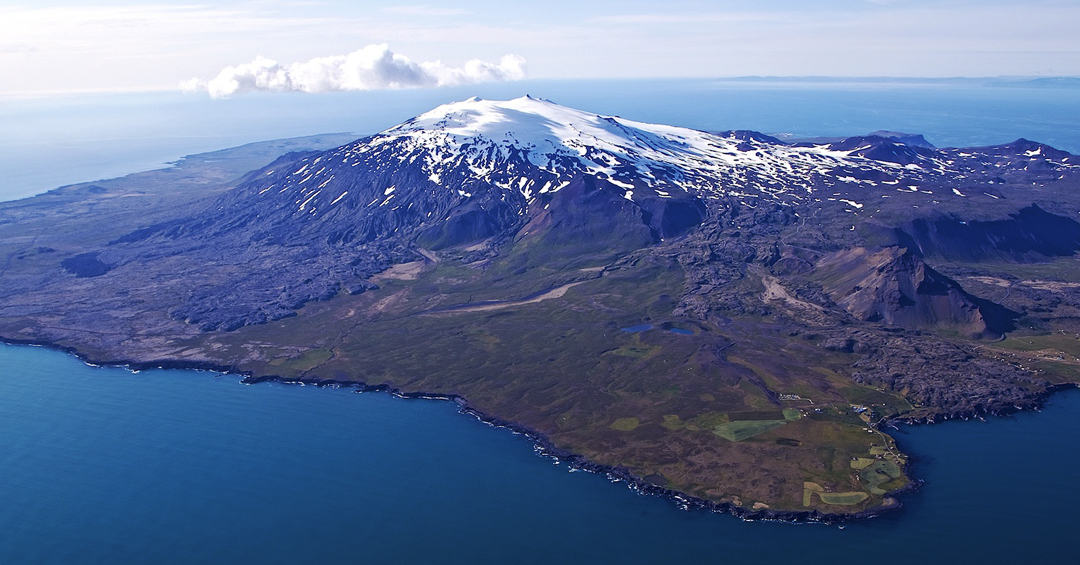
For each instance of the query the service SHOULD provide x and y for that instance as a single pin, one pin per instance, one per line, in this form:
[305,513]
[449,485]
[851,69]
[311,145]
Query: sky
[228,48]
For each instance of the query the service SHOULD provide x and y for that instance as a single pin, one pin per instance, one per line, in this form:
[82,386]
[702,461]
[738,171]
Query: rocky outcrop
[880,148]
[946,380]
[85,265]
[1030,234]
[894,286]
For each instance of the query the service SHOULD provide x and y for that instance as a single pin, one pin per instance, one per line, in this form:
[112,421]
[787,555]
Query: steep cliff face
[894,286]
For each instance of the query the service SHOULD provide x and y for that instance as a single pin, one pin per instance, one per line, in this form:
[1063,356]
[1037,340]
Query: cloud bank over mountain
[55,46]
[374,67]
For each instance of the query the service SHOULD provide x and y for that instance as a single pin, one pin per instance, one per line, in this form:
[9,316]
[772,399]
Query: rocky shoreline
[1033,403]
[544,447]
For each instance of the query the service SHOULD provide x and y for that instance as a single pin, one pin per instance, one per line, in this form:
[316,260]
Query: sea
[103,465]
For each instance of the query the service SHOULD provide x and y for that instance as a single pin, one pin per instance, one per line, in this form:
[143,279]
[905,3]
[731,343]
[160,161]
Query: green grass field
[833,498]
[861,463]
[878,474]
[842,498]
[1056,341]
[1061,268]
[309,360]
[743,429]
[625,424]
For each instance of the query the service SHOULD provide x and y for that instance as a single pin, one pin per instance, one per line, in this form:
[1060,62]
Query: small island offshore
[726,318]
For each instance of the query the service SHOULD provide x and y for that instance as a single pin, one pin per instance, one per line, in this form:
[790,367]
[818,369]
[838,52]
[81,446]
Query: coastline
[545,448]
[542,445]
[1033,404]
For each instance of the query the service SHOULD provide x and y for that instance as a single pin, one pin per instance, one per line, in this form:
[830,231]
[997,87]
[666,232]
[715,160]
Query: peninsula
[723,317]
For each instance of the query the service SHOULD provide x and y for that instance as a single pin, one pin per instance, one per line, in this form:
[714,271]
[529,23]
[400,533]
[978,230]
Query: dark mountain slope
[892,285]
[1030,234]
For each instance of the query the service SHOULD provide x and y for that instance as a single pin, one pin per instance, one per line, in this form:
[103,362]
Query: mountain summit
[526,147]
[480,175]
[507,157]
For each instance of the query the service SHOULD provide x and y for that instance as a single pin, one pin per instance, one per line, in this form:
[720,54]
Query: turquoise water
[105,466]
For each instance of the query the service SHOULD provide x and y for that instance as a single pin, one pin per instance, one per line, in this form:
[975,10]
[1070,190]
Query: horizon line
[31,94]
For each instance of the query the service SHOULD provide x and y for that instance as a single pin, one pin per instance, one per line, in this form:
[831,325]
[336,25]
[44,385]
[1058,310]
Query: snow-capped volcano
[516,150]
[529,146]
[478,177]
[535,146]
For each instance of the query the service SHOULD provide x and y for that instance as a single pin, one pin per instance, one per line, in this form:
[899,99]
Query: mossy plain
[698,411]
[655,402]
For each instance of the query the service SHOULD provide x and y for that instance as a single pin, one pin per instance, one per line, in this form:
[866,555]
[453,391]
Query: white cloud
[114,45]
[372,68]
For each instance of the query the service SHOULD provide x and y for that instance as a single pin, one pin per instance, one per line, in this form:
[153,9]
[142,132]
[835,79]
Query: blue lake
[637,329]
[104,466]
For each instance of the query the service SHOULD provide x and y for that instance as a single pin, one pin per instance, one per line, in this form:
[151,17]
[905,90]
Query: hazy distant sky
[80,45]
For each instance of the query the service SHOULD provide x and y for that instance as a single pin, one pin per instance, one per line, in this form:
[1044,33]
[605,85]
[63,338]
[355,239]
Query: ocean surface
[51,141]
[105,466]
[102,465]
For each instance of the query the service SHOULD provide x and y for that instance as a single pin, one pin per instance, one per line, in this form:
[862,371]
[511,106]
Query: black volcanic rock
[1030,234]
[85,265]
[1028,149]
[912,139]
[883,149]
[465,224]
[588,213]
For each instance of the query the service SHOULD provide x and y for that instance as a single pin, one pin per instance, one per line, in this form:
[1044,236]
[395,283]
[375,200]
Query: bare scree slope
[723,315]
